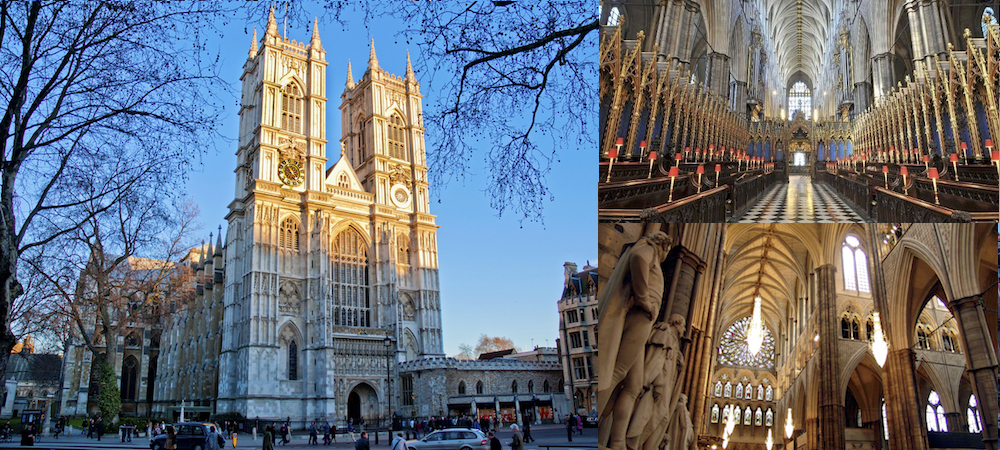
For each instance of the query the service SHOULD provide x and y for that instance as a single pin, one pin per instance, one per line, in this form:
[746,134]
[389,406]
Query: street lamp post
[388,383]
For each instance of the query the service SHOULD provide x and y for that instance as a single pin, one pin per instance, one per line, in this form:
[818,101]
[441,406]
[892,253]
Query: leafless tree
[99,98]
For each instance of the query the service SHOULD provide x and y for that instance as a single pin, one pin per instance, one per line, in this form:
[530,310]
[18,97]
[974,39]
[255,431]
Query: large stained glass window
[799,100]
[733,347]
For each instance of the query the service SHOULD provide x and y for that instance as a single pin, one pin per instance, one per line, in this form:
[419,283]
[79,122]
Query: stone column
[684,41]
[882,75]
[518,419]
[981,361]
[918,35]
[831,422]
[902,408]
[718,73]
[862,96]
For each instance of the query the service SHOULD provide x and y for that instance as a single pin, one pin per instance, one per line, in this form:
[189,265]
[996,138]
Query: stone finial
[218,243]
[272,24]
[211,251]
[409,69]
[372,60]
[253,44]
[350,76]
[314,42]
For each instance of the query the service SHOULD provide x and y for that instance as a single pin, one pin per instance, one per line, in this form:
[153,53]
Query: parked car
[591,421]
[452,439]
[190,436]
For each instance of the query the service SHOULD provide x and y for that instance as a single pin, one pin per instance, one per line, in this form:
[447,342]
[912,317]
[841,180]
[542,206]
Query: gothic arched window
[760,392]
[288,235]
[343,181]
[748,392]
[130,376]
[935,413]
[479,387]
[531,386]
[769,393]
[972,414]
[758,417]
[291,108]
[799,100]
[769,418]
[715,413]
[739,391]
[729,389]
[396,137]
[948,341]
[461,388]
[349,273]
[869,329]
[513,387]
[545,387]
[855,265]
[293,361]
[718,389]
[747,416]
[614,17]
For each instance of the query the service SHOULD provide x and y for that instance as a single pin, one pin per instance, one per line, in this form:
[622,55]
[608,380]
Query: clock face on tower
[290,172]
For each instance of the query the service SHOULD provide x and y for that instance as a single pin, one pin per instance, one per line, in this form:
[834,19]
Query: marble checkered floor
[800,201]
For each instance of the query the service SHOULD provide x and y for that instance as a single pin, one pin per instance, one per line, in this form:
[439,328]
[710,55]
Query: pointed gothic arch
[289,343]
[350,286]
[396,136]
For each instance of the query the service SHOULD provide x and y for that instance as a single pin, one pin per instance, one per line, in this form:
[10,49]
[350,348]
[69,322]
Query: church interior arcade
[798,336]
[798,111]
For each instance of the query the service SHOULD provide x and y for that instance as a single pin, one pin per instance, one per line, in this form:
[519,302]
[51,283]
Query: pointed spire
[202,260]
[409,69]
[372,60]
[350,76]
[253,44]
[272,24]
[210,251]
[218,243]
[315,37]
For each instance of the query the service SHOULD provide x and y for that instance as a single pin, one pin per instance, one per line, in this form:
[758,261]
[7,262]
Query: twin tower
[330,273]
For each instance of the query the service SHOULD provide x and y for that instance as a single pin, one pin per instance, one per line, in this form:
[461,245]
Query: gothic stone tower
[324,264]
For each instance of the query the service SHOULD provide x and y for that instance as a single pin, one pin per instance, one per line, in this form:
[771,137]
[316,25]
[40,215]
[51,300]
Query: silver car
[452,439]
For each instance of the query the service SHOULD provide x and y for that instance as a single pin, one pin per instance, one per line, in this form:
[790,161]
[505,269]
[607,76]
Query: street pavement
[543,435]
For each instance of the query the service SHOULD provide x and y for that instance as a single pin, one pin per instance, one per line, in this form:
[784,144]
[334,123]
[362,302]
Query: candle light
[686,151]
[965,152]
[995,156]
[933,174]
[642,150]
[718,170]
[904,172]
[677,160]
[885,174]
[674,173]
[926,160]
[652,157]
[700,171]
[954,162]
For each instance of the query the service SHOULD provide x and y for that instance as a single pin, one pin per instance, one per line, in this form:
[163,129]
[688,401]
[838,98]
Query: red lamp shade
[965,146]
[652,156]
[904,171]
[619,141]
[996,155]
[674,172]
[916,150]
[989,142]
[953,157]
[892,148]
[718,168]
[613,153]
[885,169]
[677,156]
[642,144]
[711,146]
[933,173]
[722,149]
[687,150]
[926,158]
[701,169]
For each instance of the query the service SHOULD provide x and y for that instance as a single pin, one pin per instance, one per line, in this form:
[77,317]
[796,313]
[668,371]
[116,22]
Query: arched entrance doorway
[362,402]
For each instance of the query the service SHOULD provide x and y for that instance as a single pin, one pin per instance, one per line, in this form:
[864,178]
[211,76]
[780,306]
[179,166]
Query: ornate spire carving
[314,42]
[350,76]
[272,24]
[372,60]
[253,44]
[410,76]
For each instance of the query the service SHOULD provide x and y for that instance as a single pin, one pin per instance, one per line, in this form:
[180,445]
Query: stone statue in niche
[663,387]
[629,306]
[409,310]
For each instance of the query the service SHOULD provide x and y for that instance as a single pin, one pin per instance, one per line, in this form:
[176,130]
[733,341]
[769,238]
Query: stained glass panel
[733,348]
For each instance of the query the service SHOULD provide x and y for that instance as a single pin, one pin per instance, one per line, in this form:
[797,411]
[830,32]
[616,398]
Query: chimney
[569,270]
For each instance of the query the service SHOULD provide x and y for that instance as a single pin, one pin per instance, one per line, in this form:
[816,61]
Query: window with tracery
[403,246]
[972,414]
[748,392]
[479,387]
[733,347]
[293,361]
[729,389]
[343,181]
[935,413]
[850,328]
[739,391]
[291,108]
[396,137]
[715,413]
[760,392]
[769,394]
[130,378]
[855,265]
[923,339]
[747,416]
[288,235]
[799,100]
[869,329]
[736,413]
[614,17]
[769,418]
[758,417]
[718,389]
[349,273]
[948,340]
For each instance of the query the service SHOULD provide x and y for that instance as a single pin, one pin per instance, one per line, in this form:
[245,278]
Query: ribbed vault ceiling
[795,54]
[779,274]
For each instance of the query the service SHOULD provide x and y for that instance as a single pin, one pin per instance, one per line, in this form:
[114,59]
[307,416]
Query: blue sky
[499,276]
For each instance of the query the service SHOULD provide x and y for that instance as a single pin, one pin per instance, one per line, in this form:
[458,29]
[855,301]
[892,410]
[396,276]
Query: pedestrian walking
[579,423]
[171,442]
[516,441]
[90,428]
[527,432]
[494,442]
[100,427]
[398,443]
[313,434]
[350,430]
[362,442]
[28,436]
[326,433]
[269,438]
[333,431]
[570,424]
[212,440]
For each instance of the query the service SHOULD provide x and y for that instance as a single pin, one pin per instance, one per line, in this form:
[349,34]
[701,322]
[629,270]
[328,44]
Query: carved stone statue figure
[653,378]
[666,389]
[629,305]
[681,427]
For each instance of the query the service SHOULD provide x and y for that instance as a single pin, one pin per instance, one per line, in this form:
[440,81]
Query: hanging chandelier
[755,331]
[880,348]
[789,425]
